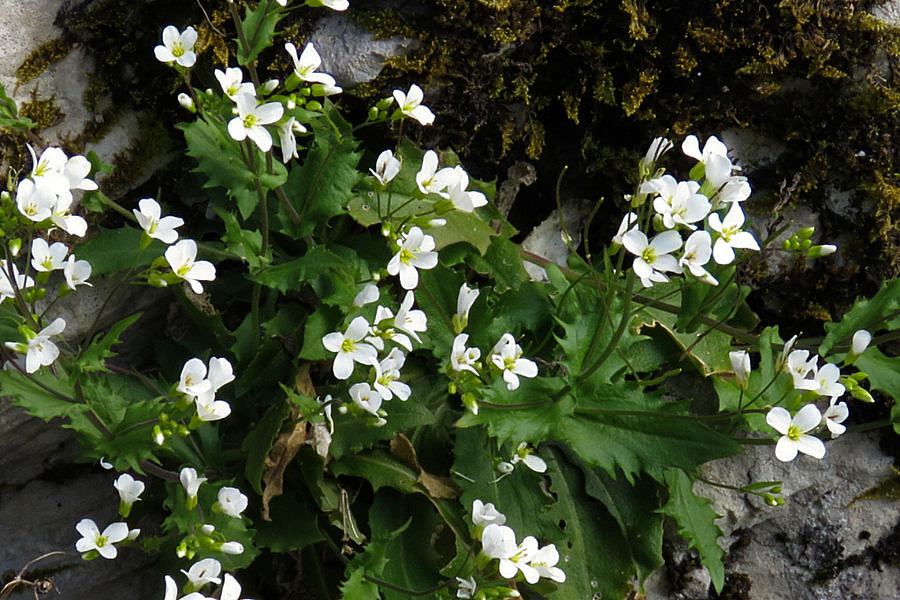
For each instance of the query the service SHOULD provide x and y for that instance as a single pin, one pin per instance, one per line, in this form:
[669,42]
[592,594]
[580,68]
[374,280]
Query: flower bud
[740,364]
[15,246]
[186,102]
[820,251]
[806,232]
[314,105]
[861,340]
[207,529]
[232,548]
[269,86]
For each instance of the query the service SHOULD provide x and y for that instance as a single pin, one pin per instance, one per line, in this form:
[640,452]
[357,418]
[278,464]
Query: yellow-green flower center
[250,121]
[347,345]
[793,433]
[177,49]
[100,541]
[406,256]
[649,255]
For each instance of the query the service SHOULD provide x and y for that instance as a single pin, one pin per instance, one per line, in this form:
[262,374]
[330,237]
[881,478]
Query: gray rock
[820,544]
[351,54]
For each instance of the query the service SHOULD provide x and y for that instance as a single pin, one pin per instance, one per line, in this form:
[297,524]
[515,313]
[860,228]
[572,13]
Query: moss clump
[41,58]
[43,111]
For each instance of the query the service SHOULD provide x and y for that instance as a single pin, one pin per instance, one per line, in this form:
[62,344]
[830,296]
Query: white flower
[463,201]
[799,365]
[628,223]
[77,272]
[506,356]
[826,380]
[713,147]
[678,202]
[76,171]
[40,350]
[411,321]
[486,514]
[65,220]
[544,562]
[730,234]
[160,228]
[349,348]
[186,102]
[416,252]
[386,381]
[697,252]
[34,203]
[465,587]
[251,118]
[432,181]
[203,572]
[861,341]
[338,5]
[520,561]
[177,46]
[232,502]
[658,147]
[21,280]
[367,295]
[305,66]
[740,364]
[410,104]
[47,171]
[833,416]
[129,488]
[220,372]
[210,409]
[231,589]
[191,481]
[92,539]
[465,298]
[386,167]
[462,358]
[288,141]
[193,381]
[525,454]
[498,541]
[652,258]
[793,432]
[181,258]
[232,82]
[47,257]
[366,398]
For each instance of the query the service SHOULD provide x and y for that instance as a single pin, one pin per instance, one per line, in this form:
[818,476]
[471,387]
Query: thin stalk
[617,334]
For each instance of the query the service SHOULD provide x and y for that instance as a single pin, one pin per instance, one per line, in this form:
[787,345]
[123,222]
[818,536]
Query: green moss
[43,111]
[41,58]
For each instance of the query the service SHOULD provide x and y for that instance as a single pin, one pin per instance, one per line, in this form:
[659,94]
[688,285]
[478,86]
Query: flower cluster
[679,207]
[95,543]
[498,542]
[362,343]
[199,383]
[814,381]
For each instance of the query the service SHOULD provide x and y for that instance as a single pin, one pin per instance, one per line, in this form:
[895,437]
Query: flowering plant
[369,371]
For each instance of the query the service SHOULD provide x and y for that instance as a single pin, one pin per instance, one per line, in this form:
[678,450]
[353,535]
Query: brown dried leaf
[283,452]
[436,487]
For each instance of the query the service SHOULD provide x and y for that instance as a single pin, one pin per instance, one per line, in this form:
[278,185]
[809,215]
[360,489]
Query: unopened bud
[820,251]
[806,232]
[269,86]
[186,102]
[15,245]
[232,548]
[861,340]
[207,529]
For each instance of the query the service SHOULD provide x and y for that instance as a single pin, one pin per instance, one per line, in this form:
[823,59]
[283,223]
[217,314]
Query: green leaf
[883,371]
[241,242]
[259,29]
[606,531]
[323,185]
[380,469]
[356,588]
[258,443]
[32,393]
[319,267]
[94,356]
[116,250]
[866,314]
[503,262]
[412,562]
[219,157]
[639,433]
[696,523]
[294,525]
